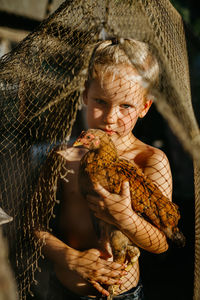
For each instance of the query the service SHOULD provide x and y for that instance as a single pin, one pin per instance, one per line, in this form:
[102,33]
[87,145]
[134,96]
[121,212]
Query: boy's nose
[110,116]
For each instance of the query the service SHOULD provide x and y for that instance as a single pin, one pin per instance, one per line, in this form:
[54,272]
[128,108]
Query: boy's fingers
[115,266]
[109,281]
[96,252]
[101,191]
[114,274]
[96,207]
[105,194]
[125,189]
[99,288]
[95,201]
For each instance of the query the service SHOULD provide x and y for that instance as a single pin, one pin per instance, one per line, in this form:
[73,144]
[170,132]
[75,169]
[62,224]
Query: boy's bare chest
[75,221]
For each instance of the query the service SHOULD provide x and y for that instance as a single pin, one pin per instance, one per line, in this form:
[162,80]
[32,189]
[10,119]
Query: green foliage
[196,27]
[187,16]
[184,11]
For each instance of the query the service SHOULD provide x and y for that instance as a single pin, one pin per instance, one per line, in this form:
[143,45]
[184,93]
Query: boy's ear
[85,100]
[85,93]
[145,108]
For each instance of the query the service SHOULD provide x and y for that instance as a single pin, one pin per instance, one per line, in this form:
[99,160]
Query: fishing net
[41,86]
[7,285]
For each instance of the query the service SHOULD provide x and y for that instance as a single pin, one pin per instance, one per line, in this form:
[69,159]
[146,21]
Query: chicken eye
[88,137]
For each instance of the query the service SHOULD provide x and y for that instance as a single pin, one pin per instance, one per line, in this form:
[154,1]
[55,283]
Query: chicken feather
[102,165]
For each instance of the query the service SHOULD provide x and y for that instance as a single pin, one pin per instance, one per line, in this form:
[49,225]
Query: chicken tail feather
[178,238]
[175,236]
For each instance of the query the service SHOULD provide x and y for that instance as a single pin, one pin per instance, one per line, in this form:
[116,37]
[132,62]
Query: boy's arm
[88,264]
[158,170]
[117,209]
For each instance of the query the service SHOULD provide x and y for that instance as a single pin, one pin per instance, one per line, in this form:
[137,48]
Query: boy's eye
[100,101]
[126,106]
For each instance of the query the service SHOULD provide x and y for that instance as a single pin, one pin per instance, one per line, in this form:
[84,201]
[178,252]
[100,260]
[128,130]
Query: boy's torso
[75,217]
[75,222]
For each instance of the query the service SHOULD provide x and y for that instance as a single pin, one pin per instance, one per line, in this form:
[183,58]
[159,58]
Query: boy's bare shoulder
[155,165]
[157,159]
[148,156]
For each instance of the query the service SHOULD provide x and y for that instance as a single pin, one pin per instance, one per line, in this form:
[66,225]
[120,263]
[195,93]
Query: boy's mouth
[108,131]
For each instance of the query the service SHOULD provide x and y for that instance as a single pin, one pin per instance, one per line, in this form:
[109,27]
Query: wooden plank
[33,9]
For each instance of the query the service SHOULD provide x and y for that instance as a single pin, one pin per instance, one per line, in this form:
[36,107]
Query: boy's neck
[125,144]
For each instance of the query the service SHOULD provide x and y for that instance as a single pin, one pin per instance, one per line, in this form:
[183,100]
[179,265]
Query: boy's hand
[112,208]
[90,266]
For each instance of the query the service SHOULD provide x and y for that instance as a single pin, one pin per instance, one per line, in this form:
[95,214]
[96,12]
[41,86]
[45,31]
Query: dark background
[169,275]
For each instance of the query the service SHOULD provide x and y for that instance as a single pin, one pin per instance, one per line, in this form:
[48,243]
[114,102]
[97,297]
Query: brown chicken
[101,164]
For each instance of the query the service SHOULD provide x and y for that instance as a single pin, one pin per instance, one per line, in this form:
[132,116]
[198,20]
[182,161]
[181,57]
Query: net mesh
[41,86]
[7,285]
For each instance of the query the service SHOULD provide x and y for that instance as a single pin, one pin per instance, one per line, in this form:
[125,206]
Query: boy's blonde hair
[109,54]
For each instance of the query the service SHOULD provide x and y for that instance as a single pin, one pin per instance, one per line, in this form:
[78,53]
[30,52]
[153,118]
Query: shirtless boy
[115,97]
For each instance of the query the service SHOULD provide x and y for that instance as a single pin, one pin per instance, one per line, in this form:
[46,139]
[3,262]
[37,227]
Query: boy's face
[114,103]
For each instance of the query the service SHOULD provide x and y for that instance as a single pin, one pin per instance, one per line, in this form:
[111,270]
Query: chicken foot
[133,254]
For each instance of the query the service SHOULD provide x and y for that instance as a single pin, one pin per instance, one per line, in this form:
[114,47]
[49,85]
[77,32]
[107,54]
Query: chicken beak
[77,143]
